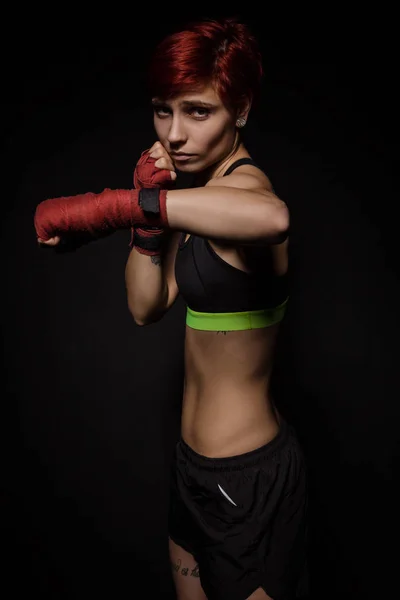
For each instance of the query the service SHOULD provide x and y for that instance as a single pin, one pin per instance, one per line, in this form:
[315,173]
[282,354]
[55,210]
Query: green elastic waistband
[236,321]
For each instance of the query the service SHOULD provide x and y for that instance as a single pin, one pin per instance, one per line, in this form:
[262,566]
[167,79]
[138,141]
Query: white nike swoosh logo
[226,495]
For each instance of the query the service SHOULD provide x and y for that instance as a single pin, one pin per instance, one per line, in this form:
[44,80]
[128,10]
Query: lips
[181,155]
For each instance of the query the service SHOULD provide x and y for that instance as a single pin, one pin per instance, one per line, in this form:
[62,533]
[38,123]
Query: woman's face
[195,128]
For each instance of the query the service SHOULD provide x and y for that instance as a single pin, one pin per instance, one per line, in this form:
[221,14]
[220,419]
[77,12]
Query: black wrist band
[149,200]
[153,243]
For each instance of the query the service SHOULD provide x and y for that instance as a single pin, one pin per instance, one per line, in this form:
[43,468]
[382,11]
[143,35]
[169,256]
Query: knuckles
[163,163]
[161,156]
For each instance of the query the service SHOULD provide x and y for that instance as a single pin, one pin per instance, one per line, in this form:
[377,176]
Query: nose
[176,134]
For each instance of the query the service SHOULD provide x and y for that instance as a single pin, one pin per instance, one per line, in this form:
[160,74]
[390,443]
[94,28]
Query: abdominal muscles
[227,406]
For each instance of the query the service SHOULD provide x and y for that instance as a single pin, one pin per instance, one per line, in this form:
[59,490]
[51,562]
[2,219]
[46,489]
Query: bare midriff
[227,406]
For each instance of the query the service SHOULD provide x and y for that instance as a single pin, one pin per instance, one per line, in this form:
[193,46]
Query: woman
[238,490]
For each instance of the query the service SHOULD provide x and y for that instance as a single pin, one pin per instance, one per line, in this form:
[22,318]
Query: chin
[188,168]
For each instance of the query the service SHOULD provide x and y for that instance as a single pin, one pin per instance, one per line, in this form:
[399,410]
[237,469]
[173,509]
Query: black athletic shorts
[244,518]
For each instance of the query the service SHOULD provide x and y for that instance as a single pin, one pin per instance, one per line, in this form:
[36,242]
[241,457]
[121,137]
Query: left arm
[230,213]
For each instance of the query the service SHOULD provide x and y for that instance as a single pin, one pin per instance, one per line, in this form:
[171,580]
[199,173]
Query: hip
[225,421]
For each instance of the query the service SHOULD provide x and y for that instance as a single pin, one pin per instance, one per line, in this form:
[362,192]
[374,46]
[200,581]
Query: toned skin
[227,408]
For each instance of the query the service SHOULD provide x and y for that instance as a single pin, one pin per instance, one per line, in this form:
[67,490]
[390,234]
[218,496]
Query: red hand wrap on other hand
[147,175]
[96,213]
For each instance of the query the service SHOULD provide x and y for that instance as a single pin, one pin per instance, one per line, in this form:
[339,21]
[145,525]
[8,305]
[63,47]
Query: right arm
[150,282]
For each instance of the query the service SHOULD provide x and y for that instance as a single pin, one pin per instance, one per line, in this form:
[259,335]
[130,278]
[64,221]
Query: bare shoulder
[245,177]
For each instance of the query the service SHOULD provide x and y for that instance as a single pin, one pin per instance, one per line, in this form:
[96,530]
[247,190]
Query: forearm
[235,214]
[146,287]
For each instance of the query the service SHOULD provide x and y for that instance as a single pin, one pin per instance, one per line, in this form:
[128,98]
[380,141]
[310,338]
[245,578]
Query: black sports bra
[220,296]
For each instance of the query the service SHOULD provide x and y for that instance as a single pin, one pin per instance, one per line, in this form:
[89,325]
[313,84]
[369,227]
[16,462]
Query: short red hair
[221,52]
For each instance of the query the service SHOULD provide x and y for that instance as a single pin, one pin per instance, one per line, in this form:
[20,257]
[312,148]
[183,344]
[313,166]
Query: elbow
[277,228]
[144,322]
[137,320]
[141,321]
[283,227]
[282,217]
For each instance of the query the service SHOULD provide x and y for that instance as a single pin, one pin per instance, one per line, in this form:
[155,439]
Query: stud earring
[241,122]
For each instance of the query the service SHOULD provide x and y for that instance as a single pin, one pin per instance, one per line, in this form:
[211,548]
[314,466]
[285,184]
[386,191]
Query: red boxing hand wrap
[149,240]
[146,175]
[97,213]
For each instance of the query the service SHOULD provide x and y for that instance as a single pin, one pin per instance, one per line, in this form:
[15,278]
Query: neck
[218,168]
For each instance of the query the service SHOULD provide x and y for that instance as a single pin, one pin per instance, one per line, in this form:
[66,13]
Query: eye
[161,111]
[199,112]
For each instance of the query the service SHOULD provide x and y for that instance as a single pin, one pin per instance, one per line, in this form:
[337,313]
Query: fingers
[51,242]
[157,146]
[158,151]
[163,158]
[165,163]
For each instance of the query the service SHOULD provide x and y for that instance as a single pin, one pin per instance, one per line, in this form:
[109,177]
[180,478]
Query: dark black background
[91,402]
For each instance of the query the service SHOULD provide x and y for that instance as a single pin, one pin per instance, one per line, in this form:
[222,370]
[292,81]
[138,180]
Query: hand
[154,169]
[110,210]
[163,159]
[150,171]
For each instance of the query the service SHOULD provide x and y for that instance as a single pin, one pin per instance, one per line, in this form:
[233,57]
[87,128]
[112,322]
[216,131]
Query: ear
[243,113]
